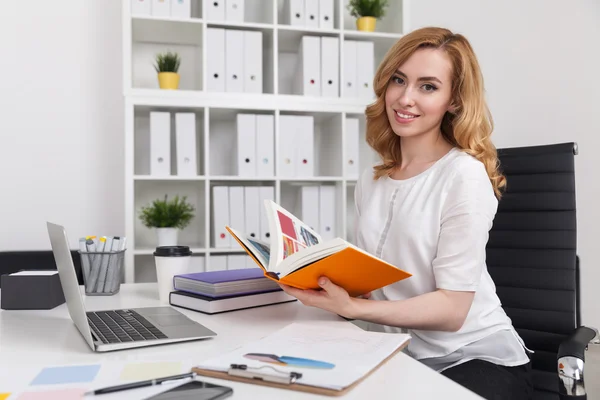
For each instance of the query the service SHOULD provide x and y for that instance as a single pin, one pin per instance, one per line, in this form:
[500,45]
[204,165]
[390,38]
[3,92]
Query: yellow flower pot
[366,24]
[168,80]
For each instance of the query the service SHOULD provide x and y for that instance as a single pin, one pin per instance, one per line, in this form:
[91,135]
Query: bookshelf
[215,113]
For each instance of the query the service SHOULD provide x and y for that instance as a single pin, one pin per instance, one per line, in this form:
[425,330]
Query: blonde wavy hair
[470,124]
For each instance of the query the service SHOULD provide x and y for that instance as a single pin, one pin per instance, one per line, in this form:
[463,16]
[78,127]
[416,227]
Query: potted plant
[167,66]
[167,217]
[367,13]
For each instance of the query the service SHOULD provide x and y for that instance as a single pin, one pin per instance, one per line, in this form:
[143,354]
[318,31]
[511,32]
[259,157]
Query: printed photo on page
[291,234]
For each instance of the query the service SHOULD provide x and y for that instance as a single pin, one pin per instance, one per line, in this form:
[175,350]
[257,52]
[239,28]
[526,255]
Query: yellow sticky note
[150,370]
[4,396]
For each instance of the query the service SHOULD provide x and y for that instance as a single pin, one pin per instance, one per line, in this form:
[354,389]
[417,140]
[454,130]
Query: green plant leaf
[167,62]
[367,8]
[175,213]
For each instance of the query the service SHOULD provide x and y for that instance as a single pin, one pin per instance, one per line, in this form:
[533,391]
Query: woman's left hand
[332,298]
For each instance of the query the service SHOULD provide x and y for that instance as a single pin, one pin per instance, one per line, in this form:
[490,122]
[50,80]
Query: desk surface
[35,339]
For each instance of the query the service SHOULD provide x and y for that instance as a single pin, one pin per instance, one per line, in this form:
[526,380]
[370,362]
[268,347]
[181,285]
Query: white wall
[61,120]
[541,63]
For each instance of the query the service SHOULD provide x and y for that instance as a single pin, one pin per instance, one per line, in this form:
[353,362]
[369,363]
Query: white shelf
[144,36]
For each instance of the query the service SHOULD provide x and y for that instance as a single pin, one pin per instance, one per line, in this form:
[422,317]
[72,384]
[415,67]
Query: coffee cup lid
[172,251]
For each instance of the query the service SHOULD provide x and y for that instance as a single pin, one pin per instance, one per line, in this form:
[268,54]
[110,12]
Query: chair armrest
[571,361]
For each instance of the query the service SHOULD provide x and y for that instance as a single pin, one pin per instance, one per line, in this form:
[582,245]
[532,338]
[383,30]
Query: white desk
[35,339]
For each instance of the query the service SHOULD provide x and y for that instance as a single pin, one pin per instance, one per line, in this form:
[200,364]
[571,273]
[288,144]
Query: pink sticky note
[65,394]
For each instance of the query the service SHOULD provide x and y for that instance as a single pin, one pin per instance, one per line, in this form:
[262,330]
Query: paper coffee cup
[170,261]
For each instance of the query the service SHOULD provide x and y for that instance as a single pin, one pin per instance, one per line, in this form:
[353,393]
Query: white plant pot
[167,236]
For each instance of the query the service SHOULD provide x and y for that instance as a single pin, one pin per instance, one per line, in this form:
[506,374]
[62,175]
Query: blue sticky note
[70,374]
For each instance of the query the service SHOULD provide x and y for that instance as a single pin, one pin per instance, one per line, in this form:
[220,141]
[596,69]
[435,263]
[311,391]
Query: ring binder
[242,370]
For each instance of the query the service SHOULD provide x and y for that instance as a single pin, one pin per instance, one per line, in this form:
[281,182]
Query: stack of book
[220,291]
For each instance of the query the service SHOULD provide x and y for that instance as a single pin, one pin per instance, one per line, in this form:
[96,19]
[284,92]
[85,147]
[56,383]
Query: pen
[134,385]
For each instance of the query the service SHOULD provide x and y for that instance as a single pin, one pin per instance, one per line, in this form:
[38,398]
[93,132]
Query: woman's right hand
[366,295]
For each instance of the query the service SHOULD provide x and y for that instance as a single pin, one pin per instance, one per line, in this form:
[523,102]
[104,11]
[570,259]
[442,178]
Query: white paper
[35,273]
[354,352]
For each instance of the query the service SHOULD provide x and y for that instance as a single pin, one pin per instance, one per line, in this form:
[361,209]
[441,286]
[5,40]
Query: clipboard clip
[242,370]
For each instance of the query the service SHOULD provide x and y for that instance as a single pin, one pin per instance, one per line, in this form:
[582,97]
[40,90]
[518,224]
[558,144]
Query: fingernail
[322,281]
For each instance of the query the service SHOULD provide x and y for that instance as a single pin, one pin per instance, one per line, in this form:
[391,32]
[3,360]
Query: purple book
[225,283]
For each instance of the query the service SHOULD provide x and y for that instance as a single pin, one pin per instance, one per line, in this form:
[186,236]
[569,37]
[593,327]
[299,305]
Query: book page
[261,250]
[289,234]
[327,357]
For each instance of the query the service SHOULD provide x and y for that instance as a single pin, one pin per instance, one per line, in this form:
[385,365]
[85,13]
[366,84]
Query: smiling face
[419,93]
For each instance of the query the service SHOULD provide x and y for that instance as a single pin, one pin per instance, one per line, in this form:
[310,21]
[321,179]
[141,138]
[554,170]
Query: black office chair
[13,261]
[532,257]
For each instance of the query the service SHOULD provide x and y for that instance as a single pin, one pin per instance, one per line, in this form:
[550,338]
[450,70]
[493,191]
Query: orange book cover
[297,256]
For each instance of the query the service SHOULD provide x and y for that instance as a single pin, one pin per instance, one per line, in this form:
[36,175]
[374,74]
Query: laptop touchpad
[170,320]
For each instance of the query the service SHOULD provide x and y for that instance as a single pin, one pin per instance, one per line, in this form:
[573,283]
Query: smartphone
[196,390]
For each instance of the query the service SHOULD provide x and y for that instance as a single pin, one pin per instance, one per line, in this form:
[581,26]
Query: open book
[297,256]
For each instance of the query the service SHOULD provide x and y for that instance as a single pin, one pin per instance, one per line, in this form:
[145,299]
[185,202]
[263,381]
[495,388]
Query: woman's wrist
[354,308]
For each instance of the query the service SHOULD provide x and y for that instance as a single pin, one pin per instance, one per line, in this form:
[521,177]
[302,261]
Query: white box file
[246,145]
[185,144]
[364,69]
[294,12]
[265,145]
[326,14]
[237,217]
[161,8]
[349,65]
[220,205]
[287,146]
[304,143]
[307,80]
[160,143]
[181,9]
[251,211]
[215,61]
[234,61]
[265,193]
[253,60]
[330,67]
[234,10]
[311,13]
[327,212]
[309,206]
[351,163]
[141,7]
[214,10]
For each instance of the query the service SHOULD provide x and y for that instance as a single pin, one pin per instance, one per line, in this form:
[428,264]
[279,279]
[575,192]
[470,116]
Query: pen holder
[102,272]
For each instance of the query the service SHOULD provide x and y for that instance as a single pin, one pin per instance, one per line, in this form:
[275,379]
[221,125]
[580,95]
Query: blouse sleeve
[467,216]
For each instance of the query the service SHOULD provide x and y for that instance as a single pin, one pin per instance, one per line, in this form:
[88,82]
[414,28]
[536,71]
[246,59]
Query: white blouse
[435,225]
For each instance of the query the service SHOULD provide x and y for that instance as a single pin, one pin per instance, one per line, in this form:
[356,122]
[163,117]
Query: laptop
[121,329]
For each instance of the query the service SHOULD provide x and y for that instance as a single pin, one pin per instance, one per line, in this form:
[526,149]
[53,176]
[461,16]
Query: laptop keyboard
[120,326]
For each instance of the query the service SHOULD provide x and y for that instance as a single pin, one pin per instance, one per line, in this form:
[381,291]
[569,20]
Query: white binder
[161,8]
[221,216]
[246,145]
[351,145]
[326,14]
[215,46]
[307,80]
[181,8]
[365,66]
[330,66]
[287,146]
[236,261]
[265,145]
[217,263]
[265,193]
[160,143]
[350,61]
[185,144]
[311,13]
[294,12]
[234,10]
[327,212]
[309,206]
[236,208]
[304,143]
[141,7]
[214,10]
[251,211]
[234,60]
[253,60]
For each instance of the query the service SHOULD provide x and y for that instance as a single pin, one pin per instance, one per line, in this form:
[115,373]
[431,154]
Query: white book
[211,305]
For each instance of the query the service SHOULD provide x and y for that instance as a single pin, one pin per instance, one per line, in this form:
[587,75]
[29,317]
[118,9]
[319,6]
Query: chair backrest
[531,252]
[13,261]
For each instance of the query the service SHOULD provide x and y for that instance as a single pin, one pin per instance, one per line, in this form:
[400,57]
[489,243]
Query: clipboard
[238,373]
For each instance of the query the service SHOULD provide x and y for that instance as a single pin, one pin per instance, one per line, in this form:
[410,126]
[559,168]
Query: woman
[428,208]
